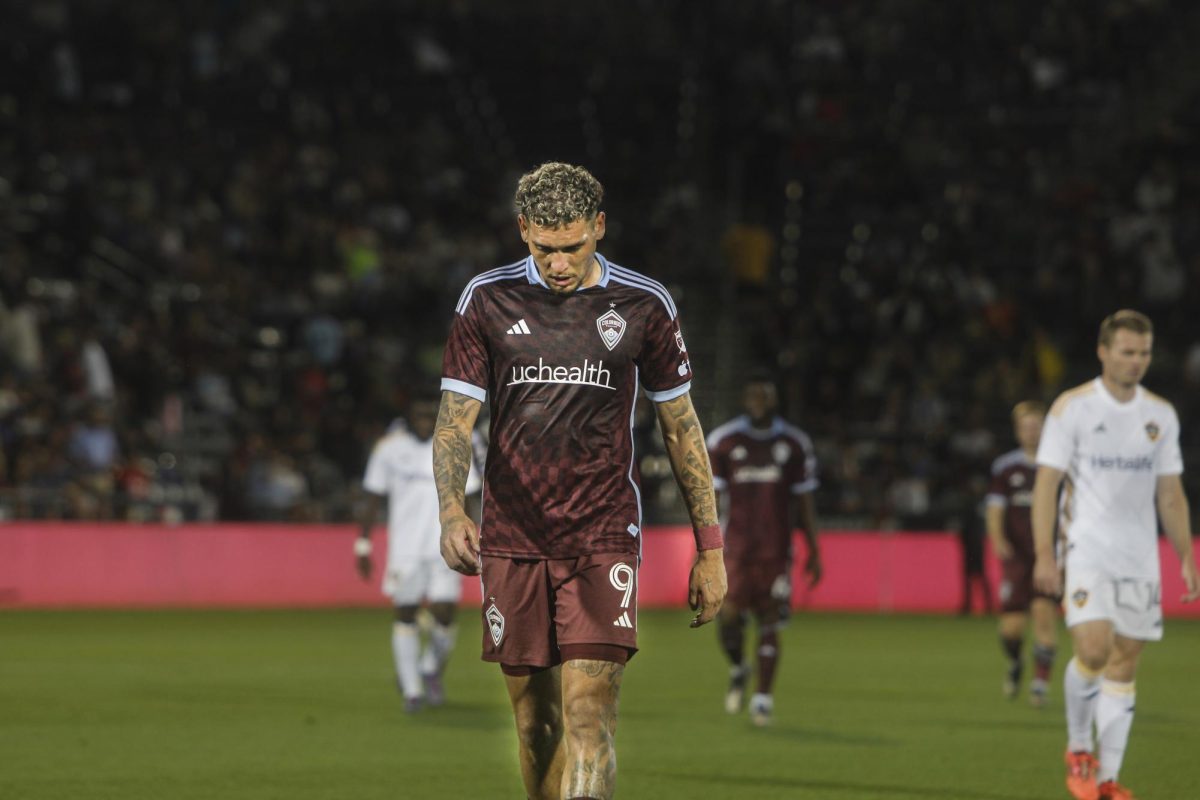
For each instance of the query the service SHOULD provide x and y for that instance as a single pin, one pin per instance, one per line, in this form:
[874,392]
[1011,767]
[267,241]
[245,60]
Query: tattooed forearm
[452,449]
[684,439]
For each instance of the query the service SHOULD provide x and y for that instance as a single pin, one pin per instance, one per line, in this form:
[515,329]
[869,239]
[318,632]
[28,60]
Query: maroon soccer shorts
[750,585]
[532,608]
[1016,586]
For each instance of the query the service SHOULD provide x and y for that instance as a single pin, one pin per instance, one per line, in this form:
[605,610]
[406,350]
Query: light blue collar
[532,274]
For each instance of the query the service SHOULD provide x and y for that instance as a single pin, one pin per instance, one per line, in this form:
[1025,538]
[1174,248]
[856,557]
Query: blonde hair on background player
[1126,318]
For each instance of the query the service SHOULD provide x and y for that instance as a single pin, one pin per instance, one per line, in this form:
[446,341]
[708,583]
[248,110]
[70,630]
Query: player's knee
[589,718]
[406,614]
[443,613]
[1092,655]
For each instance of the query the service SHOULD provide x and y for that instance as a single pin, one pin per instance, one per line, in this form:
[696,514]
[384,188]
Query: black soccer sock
[1012,649]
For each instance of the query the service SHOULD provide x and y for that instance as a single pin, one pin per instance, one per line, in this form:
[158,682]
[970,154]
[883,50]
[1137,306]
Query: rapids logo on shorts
[1152,431]
[1080,598]
[611,328]
[495,621]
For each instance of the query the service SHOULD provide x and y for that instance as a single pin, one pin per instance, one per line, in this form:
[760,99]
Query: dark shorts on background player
[533,609]
[1016,586]
[750,585]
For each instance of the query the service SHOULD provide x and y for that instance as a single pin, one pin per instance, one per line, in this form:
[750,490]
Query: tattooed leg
[590,689]
[537,708]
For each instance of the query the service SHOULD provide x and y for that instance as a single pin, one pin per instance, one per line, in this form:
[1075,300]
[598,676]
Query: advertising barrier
[63,565]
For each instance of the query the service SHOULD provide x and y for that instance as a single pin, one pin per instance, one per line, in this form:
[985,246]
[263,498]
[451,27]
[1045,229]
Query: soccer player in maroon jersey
[768,471]
[558,344]
[1010,530]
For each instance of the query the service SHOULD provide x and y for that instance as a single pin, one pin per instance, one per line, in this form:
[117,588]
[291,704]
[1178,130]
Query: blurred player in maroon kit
[1010,530]
[768,471]
[559,344]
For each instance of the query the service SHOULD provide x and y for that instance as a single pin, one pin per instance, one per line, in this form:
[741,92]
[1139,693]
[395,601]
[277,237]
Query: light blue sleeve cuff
[804,487]
[669,394]
[462,387]
[719,484]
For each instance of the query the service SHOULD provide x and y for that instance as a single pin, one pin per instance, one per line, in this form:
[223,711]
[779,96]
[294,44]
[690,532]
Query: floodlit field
[296,705]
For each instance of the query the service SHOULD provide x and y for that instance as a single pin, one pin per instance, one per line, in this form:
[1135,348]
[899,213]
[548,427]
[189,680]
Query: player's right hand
[1046,576]
[1191,581]
[1002,549]
[363,563]
[460,545]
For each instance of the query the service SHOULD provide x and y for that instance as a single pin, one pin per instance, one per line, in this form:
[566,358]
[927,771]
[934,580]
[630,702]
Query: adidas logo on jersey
[519,328]
[623,620]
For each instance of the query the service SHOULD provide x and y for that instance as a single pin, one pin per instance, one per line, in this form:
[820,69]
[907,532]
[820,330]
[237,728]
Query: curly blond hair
[557,194]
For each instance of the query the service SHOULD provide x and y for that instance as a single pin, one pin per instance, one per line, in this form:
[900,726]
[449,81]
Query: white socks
[1080,690]
[437,652]
[1114,718]
[406,647]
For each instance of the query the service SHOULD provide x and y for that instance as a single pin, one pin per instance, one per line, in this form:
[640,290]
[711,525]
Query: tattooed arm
[689,459]
[451,464]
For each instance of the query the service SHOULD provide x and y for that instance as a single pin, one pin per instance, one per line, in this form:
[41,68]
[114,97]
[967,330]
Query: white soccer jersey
[401,467]
[1113,454]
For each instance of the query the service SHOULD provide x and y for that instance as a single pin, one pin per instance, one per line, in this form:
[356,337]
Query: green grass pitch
[301,705]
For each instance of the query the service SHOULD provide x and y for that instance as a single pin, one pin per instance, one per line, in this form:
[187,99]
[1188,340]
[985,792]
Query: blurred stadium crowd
[232,233]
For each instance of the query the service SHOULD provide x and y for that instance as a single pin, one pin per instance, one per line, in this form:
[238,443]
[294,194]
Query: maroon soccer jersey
[1012,487]
[561,373]
[760,468]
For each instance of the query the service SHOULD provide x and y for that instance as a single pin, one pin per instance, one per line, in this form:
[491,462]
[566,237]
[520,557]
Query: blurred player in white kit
[400,472]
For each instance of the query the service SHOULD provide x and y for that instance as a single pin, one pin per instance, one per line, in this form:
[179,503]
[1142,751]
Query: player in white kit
[1117,446]
[400,471]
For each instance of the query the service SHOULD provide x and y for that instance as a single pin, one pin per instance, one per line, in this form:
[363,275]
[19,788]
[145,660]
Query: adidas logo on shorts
[623,620]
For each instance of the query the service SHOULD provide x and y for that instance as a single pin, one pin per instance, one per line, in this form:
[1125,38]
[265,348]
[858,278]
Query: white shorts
[428,579]
[1132,605]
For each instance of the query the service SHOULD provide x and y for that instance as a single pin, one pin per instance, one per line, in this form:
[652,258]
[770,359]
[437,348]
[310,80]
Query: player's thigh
[406,582]
[518,612]
[1131,604]
[595,600]
[753,587]
[1016,585]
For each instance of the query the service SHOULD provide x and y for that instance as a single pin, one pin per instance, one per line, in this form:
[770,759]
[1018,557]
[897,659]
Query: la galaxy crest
[1080,598]
[1152,431]
[611,328]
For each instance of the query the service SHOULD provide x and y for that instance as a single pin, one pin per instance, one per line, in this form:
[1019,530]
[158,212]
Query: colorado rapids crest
[611,328]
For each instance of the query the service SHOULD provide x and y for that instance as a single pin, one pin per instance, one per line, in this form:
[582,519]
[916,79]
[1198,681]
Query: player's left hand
[1190,581]
[363,564]
[813,569]
[707,585]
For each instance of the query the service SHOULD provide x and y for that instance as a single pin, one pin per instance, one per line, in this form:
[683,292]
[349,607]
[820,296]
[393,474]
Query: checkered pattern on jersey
[1012,479]
[759,470]
[559,480]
